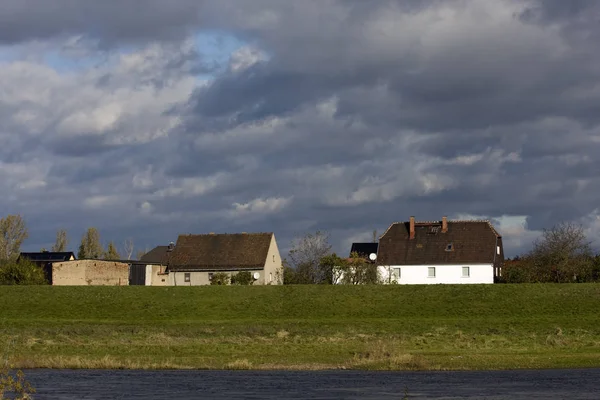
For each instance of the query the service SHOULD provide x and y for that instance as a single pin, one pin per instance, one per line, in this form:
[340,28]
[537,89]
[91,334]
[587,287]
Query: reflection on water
[110,384]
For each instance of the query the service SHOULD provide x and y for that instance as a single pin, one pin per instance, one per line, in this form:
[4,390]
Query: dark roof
[220,251]
[364,249]
[465,242]
[48,256]
[158,255]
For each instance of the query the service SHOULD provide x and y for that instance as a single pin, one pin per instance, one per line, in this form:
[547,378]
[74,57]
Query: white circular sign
[256,275]
[372,256]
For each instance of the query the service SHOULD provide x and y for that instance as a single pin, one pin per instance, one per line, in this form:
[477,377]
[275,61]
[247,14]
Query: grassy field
[302,327]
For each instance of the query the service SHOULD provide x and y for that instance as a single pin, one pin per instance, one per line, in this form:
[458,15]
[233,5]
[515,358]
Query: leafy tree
[242,278]
[22,272]
[289,275]
[305,258]
[111,252]
[518,270]
[596,268]
[220,278]
[562,254]
[12,234]
[90,246]
[61,242]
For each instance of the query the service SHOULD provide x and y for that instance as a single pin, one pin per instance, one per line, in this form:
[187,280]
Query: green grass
[303,327]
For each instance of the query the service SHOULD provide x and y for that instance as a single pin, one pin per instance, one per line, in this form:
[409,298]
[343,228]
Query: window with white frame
[396,274]
[210,276]
[270,277]
[186,277]
[466,272]
[498,250]
[431,272]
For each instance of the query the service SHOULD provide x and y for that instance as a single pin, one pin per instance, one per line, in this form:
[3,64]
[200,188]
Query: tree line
[562,254]
[13,232]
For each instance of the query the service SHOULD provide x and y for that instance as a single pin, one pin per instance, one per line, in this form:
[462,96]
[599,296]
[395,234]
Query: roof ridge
[487,221]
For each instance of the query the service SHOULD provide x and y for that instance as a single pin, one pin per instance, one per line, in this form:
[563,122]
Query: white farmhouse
[431,252]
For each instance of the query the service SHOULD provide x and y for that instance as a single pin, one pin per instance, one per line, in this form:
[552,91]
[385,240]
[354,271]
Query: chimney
[444,224]
[412,227]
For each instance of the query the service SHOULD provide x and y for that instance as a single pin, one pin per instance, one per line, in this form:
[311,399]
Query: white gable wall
[272,273]
[449,274]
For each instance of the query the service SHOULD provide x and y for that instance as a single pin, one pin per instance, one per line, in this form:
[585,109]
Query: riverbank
[303,327]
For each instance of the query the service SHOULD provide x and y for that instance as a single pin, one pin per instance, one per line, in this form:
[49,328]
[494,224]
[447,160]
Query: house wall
[90,272]
[273,270]
[199,278]
[156,275]
[449,274]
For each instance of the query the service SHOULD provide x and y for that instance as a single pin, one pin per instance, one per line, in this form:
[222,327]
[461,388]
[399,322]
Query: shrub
[14,384]
[220,278]
[242,278]
[22,272]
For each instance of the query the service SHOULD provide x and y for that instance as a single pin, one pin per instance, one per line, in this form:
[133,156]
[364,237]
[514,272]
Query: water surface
[492,385]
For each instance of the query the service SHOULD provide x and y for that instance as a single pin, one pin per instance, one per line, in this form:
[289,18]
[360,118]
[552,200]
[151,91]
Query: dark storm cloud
[352,114]
[108,22]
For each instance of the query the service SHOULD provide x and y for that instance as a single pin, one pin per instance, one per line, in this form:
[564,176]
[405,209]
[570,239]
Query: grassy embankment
[303,327]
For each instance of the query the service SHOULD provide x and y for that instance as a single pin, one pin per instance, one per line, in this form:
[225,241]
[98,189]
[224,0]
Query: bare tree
[562,254]
[128,247]
[61,242]
[90,246]
[305,258]
[13,232]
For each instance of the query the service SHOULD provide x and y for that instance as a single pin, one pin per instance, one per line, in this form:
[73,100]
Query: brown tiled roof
[157,255]
[220,251]
[465,242]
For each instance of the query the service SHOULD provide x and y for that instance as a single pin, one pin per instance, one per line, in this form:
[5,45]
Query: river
[180,385]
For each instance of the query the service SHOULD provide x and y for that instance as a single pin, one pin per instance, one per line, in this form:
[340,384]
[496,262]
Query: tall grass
[303,327]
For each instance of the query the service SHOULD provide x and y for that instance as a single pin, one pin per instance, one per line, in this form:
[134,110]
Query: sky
[149,119]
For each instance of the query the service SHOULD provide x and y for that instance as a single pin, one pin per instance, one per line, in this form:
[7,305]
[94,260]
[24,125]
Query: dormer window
[450,247]
[433,229]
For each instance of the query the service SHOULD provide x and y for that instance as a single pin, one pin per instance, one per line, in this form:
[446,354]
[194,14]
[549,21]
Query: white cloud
[100,201]
[261,206]
[245,57]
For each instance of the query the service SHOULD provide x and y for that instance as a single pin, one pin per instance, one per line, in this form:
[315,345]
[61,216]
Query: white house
[431,252]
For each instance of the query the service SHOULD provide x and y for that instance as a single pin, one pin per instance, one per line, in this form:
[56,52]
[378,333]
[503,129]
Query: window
[270,277]
[186,277]
[210,276]
[397,274]
[449,247]
[466,272]
[273,257]
[431,272]
[498,250]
